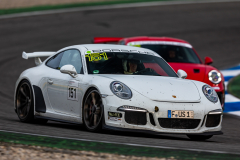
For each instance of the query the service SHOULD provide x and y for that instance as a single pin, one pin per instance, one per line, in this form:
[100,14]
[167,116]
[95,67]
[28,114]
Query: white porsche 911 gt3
[116,87]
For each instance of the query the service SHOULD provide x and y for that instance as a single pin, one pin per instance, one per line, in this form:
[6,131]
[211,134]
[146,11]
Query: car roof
[146,38]
[175,41]
[117,47]
[112,46]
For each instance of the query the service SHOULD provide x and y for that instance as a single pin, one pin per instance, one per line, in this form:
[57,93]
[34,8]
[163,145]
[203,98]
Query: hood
[194,71]
[157,88]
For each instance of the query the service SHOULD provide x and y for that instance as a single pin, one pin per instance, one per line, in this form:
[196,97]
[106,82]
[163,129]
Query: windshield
[127,64]
[173,53]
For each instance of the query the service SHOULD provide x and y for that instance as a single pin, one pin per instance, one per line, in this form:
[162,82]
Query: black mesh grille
[138,118]
[178,123]
[213,120]
[152,119]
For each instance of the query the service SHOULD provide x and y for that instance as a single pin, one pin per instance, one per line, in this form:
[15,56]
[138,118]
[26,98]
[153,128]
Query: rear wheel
[199,137]
[25,103]
[93,111]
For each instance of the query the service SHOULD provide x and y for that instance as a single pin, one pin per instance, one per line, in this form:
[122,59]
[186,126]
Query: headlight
[214,76]
[210,93]
[120,90]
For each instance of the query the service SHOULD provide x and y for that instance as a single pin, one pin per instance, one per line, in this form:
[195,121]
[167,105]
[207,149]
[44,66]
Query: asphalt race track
[213,29]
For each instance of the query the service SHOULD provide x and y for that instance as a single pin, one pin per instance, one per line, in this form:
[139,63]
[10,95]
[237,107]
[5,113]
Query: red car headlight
[214,76]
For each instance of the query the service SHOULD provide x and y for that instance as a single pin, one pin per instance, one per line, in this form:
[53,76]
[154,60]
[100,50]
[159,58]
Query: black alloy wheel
[93,111]
[199,137]
[25,104]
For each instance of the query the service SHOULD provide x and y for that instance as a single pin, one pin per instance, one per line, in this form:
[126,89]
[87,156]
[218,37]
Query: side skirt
[56,120]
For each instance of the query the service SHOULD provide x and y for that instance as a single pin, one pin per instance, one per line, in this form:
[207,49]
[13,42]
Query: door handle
[50,81]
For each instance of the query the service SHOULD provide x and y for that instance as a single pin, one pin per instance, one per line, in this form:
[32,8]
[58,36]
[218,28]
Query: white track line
[231,98]
[230,72]
[128,144]
[236,113]
[116,6]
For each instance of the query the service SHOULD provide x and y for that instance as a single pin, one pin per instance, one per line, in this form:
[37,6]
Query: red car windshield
[173,53]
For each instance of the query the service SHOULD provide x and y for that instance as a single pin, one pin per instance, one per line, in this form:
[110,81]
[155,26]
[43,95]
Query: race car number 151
[72,93]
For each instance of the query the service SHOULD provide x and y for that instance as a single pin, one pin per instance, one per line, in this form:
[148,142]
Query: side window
[54,61]
[73,57]
[122,42]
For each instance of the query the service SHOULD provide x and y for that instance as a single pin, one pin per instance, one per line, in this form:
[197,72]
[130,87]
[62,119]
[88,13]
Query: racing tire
[199,137]
[25,104]
[93,111]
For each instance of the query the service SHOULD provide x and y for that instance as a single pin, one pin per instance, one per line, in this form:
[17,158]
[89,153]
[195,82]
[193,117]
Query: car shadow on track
[146,135]
[81,128]
[121,133]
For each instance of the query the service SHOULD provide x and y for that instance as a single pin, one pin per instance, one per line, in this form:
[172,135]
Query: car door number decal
[72,93]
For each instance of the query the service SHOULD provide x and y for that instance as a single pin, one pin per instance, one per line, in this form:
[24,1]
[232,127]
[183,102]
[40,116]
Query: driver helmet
[126,62]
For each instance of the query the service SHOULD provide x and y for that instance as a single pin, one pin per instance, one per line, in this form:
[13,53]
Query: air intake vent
[176,123]
[213,120]
[137,118]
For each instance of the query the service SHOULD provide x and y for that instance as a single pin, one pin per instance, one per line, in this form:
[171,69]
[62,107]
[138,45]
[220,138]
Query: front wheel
[93,111]
[199,137]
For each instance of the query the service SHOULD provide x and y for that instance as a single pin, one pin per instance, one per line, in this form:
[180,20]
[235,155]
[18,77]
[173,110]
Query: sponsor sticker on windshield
[96,56]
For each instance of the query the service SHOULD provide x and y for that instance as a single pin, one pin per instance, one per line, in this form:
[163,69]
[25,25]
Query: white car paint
[164,87]
[148,92]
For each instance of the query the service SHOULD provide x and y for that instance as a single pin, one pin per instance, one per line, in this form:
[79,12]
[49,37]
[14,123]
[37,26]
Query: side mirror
[208,60]
[182,74]
[69,69]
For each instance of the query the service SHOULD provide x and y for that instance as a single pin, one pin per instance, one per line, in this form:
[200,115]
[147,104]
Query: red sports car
[180,55]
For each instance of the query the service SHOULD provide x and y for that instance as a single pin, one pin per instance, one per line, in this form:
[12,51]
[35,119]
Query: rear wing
[106,39]
[37,56]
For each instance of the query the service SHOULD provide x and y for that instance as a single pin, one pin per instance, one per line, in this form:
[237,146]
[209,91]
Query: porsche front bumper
[158,122]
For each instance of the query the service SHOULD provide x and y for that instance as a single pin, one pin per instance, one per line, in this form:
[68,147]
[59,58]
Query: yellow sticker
[137,45]
[96,56]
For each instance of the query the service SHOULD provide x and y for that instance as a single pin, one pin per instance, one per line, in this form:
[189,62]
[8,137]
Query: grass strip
[234,86]
[109,148]
[73,5]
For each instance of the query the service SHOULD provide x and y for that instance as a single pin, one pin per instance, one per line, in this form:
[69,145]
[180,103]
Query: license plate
[180,114]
